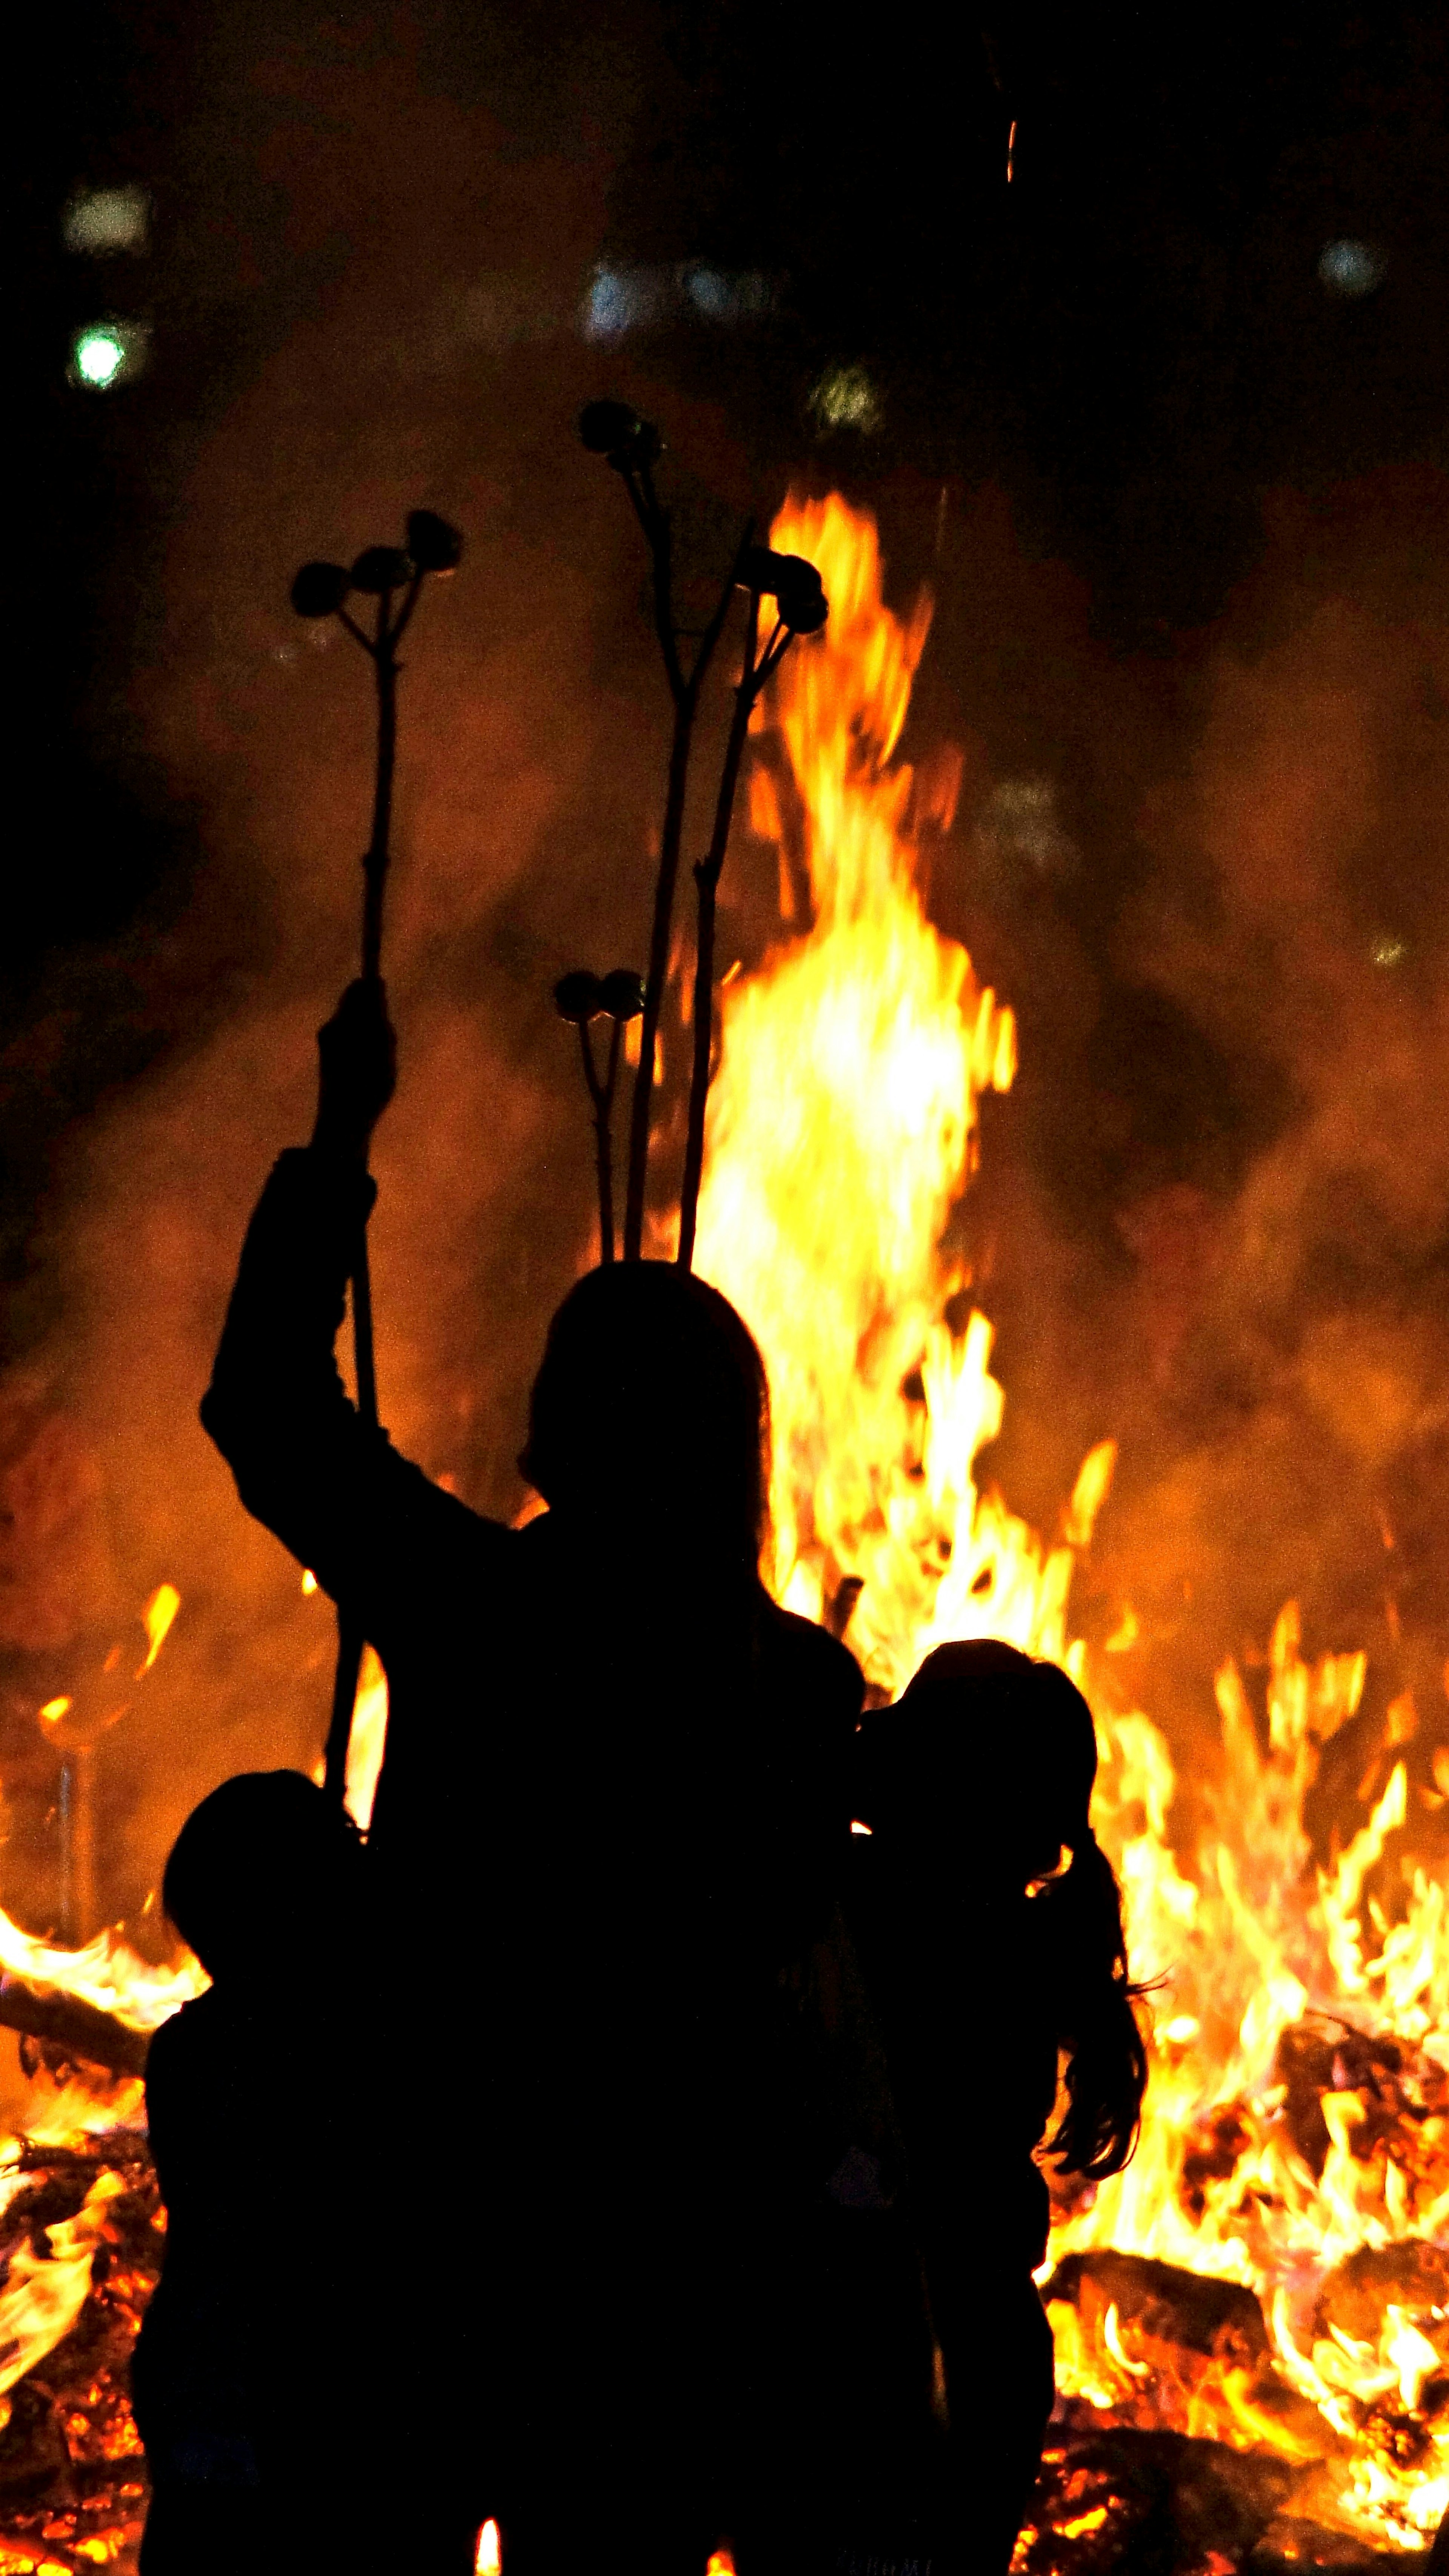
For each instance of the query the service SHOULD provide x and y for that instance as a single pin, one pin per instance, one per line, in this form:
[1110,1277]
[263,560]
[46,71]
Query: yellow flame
[1094,1478]
[107,1973]
[156,1618]
[43,2295]
[368,1740]
[489,2558]
[843,1129]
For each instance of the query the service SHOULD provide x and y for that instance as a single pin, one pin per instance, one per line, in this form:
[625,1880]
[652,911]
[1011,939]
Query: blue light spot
[611,306]
[710,293]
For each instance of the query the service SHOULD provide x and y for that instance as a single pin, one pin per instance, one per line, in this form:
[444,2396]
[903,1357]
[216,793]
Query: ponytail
[1079,1920]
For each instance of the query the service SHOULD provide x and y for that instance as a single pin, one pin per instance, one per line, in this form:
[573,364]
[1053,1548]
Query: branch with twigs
[632,447]
[581,998]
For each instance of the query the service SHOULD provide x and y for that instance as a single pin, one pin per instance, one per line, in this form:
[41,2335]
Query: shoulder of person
[198,2024]
[808,1659]
[186,2053]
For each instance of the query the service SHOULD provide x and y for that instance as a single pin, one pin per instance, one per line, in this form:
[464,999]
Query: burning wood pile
[1252,2322]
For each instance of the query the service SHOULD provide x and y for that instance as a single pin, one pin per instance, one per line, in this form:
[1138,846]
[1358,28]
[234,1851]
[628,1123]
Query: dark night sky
[1131,339]
[1194,502]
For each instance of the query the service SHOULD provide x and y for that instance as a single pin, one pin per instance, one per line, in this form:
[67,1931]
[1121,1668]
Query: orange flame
[843,1127]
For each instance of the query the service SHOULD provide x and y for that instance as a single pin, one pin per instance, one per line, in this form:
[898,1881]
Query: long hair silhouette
[1027,1735]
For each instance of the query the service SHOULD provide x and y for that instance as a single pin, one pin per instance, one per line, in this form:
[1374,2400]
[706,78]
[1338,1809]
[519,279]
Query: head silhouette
[1021,1735]
[263,1879]
[1009,1742]
[652,1391]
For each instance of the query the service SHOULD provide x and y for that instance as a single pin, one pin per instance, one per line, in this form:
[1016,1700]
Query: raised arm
[372,1527]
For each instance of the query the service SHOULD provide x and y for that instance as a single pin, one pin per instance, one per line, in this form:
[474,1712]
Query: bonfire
[1252,2322]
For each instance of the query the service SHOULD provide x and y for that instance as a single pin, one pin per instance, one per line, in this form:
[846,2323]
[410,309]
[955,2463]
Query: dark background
[1183,511]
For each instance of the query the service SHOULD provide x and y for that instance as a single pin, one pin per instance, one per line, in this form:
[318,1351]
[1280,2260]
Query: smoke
[1211,1219]
[1294,912]
[433,359]
[1214,1221]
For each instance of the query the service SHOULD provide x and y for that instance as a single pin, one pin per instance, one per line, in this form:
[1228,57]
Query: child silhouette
[252,2361]
[989,1929]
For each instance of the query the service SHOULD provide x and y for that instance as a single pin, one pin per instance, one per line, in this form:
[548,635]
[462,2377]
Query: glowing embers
[70,2456]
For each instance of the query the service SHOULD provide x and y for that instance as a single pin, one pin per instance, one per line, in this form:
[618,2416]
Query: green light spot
[99,357]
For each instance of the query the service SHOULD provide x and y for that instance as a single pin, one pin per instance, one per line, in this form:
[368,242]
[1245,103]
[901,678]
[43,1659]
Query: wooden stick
[706,877]
[602,1096]
[350,1635]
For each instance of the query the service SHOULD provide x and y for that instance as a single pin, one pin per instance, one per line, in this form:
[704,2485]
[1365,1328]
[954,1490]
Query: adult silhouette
[609,1819]
[989,1930]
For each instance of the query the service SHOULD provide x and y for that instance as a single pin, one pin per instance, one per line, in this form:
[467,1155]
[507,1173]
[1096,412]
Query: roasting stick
[350,1637]
[321,590]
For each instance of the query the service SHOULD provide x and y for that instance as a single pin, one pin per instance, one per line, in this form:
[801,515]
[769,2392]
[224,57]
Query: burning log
[78,2030]
[1181,2309]
[1159,2346]
[1413,2277]
[1321,2055]
[1114,2499]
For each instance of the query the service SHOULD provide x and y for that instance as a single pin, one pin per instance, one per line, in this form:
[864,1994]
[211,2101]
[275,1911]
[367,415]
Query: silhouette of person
[250,2375]
[989,1930]
[610,1814]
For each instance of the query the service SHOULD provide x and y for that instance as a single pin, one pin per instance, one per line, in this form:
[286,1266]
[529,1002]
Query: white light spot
[1388,950]
[98,222]
[99,357]
[1350,268]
